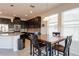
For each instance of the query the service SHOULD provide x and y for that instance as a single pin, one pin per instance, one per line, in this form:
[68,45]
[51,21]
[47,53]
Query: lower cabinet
[9,42]
[27,43]
[23,44]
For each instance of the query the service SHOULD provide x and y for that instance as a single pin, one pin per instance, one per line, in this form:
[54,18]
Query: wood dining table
[49,41]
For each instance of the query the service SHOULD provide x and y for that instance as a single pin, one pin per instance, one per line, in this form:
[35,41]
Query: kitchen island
[9,41]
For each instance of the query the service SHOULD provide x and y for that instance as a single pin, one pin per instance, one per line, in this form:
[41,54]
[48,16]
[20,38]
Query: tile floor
[24,52]
[8,52]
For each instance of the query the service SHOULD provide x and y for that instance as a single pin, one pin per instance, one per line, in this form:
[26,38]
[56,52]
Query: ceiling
[22,9]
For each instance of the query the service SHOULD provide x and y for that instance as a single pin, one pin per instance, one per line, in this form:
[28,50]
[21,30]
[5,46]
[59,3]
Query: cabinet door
[23,24]
[37,22]
[5,42]
[17,20]
[4,21]
[27,43]
[34,23]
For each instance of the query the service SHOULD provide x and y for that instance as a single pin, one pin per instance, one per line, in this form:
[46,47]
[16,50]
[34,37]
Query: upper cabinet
[4,21]
[23,24]
[34,23]
[17,20]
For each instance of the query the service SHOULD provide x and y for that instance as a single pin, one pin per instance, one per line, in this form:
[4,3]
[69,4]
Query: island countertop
[11,34]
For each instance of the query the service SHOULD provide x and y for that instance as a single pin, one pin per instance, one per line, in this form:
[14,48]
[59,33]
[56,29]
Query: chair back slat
[34,39]
[67,44]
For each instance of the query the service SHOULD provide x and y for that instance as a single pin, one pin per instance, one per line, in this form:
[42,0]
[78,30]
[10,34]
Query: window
[3,27]
[71,23]
[52,24]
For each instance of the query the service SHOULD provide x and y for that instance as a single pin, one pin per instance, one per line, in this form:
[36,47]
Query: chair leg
[33,51]
[54,51]
[39,52]
[46,51]
[57,53]
[68,52]
[65,54]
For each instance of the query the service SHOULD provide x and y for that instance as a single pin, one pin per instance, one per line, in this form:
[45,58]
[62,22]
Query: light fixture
[30,11]
[12,20]
[26,15]
[32,6]
[11,5]
[46,19]
[0,12]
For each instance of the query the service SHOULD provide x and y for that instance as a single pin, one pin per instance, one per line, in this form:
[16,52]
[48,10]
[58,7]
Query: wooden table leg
[30,47]
[50,49]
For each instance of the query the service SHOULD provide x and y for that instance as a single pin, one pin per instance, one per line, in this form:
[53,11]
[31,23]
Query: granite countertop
[11,34]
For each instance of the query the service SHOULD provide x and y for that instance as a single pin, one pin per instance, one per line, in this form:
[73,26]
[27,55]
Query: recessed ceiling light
[0,12]
[26,15]
[11,5]
[32,6]
[30,11]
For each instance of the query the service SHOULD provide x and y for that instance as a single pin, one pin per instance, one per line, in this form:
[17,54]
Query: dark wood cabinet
[4,21]
[8,21]
[34,23]
[23,24]
[17,20]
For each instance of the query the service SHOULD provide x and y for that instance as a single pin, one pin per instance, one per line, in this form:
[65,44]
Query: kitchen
[12,31]
[14,24]
[18,19]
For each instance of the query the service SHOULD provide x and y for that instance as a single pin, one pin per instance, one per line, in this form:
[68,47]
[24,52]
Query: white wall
[44,28]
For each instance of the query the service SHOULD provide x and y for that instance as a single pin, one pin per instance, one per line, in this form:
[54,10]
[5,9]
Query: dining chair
[38,49]
[64,49]
[56,34]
